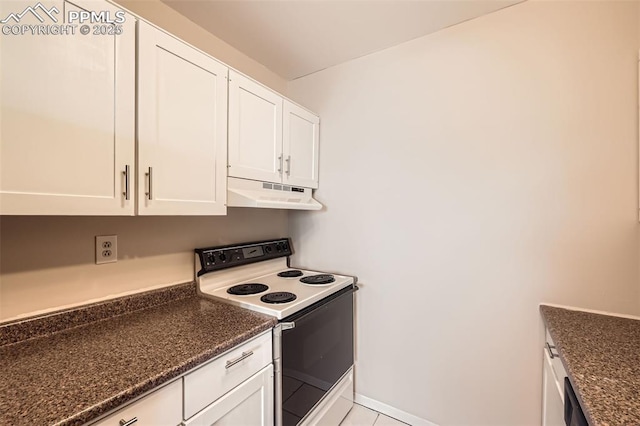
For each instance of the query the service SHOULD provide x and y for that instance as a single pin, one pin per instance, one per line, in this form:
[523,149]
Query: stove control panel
[222,257]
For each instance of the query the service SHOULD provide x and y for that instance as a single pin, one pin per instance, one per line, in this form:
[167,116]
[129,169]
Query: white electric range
[269,286]
[314,309]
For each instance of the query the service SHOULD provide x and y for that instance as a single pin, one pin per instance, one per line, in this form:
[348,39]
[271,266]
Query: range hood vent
[266,195]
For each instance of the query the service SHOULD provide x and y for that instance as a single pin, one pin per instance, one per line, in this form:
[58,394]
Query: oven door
[316,353]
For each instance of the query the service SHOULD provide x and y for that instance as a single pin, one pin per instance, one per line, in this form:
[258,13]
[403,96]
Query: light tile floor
[363,416]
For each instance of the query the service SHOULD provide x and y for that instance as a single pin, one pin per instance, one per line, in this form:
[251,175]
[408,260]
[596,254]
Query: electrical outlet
[106,249]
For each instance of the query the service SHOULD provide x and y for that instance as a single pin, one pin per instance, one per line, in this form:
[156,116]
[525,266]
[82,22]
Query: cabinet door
[67,108]
[552,400]
[250,403]
[301,137]
[182,127]
[255,130]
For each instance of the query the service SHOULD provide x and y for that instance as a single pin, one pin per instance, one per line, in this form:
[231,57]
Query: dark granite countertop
[601,354]
[73,376]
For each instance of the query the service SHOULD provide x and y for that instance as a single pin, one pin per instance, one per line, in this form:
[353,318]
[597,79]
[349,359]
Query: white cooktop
[215,285]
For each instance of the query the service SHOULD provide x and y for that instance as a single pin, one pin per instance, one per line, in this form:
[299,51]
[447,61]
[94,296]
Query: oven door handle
[287,325]
[300,316]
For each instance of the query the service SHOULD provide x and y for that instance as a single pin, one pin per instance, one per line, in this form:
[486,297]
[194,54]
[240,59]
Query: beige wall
[168,19]
[49,262]
[468,176]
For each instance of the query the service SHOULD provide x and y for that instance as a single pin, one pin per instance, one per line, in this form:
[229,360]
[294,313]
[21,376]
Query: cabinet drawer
[160,408]
[218,377]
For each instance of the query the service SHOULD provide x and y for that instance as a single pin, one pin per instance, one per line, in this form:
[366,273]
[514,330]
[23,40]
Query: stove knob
[268,249]
[223,257]
[285,246]
[278,247]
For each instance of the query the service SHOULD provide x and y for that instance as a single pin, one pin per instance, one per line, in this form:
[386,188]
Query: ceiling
[294,38]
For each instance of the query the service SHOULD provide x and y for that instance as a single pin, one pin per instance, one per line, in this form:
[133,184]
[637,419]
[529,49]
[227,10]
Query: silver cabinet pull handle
[126,182]
[288,160]
[549,349]
[149,175]
[280,164]
[124,422]
[242,357]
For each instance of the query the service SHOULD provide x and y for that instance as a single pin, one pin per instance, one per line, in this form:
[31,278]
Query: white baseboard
[390,411]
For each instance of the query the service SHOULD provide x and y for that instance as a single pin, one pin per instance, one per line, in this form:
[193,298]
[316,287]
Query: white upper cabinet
[255,130]
[75,140]
[270,138]
[67,108]
[301,137]
[182,127]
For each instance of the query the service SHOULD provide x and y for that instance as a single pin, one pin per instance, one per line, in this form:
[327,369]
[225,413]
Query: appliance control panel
[222,257]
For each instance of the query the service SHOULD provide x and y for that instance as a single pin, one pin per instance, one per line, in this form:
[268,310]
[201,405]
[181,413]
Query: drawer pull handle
[126,182]
[549,349]
[149,174]
[124,422]
[241,358]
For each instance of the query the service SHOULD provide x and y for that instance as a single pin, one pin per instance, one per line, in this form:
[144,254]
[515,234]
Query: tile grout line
[376,419]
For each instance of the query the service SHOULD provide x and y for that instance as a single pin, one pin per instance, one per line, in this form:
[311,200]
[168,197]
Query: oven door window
[315,354]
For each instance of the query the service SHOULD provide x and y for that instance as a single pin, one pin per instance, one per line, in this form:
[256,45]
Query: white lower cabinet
[250,403]
[552,387]
[160,408]
[213,380]
[553,405]
[236,388]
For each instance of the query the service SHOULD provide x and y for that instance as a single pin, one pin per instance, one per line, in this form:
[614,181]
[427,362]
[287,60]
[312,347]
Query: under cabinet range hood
[266,195]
